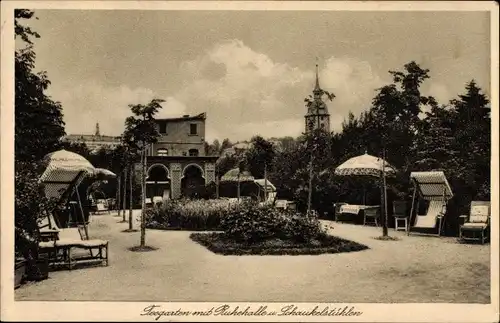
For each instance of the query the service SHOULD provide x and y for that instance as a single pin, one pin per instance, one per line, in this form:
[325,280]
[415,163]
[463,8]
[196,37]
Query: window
[193,129]
[193,152]
[184,153]
[311,124]
[162,152]
[163,127]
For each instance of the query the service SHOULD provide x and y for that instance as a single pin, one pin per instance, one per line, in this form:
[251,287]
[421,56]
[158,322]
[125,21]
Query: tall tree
[141,131]
[77,147]
[395,115]
[395,121]
[117,165]
[260,158]
[39,122]
[212,149]
[39,127]
[436,142]
[472,125]
[226,143]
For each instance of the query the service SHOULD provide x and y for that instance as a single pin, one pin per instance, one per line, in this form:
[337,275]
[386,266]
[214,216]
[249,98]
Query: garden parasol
[238,176]
[367,165]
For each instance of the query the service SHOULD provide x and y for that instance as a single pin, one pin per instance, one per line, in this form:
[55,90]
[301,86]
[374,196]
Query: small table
[47,235]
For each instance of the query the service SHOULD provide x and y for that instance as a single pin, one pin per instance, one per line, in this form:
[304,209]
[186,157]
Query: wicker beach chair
[476,223]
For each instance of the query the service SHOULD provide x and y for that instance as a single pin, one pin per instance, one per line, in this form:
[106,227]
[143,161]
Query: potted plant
[31,205]
[19,270]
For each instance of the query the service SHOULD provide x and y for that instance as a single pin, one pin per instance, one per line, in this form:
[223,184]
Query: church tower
[317,116]
[97,132]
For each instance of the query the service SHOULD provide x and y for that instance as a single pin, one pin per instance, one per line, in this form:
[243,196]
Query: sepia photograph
[256,161]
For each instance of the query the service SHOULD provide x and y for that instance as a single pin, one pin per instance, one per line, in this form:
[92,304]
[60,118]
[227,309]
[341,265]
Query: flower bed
[265,230]
[193,215]
[219,243]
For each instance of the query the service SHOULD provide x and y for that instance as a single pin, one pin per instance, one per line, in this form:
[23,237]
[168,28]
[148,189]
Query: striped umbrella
[64,170]
[365,165]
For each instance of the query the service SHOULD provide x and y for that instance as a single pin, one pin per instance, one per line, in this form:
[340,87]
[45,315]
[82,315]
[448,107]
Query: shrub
[252,224]
[220,244]
[188,214]
[31,205]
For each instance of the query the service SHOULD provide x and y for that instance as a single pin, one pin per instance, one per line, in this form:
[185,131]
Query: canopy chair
[434,188]
[63,175]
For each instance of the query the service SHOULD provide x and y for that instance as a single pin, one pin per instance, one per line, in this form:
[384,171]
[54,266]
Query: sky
[248,70]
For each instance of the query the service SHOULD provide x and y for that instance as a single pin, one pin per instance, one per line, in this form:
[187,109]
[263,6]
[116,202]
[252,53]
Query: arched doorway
[158,182]
[193,181]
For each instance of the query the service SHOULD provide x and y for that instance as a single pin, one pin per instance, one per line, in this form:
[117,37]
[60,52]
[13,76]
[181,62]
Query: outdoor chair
[101,207]
[432,187]
[336,214]
[476,223]
[60,249]
[371,214]
[400,214]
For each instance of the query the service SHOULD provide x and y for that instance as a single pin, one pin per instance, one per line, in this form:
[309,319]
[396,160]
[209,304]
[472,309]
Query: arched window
[162,152]
[193,152]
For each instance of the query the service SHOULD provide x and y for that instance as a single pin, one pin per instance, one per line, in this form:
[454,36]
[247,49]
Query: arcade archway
[158,182]
[193,181]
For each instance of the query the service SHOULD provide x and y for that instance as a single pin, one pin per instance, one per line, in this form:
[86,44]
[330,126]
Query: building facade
[96,141]
[177,165]
[317,116]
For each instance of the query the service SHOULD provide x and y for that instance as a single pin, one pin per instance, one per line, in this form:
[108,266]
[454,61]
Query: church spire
[316,87]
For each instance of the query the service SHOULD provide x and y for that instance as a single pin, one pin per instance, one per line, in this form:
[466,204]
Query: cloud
[171,108]
[88,103]
[439,91]
[352,81]
[243,92]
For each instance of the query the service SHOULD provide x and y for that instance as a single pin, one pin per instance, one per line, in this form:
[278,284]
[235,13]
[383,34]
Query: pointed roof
[317,88]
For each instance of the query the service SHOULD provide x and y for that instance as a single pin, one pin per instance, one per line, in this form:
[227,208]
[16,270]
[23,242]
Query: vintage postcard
[250,161]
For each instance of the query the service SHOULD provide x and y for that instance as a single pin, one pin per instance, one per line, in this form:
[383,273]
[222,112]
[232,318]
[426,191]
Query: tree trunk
[130,180]
[309,197]
[217,186]
[265,182]
[143,188]
[118,194]
[124,192]
[385,232]
[238,192]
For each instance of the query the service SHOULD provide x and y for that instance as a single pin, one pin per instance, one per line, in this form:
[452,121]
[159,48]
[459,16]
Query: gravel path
[414,269]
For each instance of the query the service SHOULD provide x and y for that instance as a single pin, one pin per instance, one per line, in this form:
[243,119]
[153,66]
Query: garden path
[413,269]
